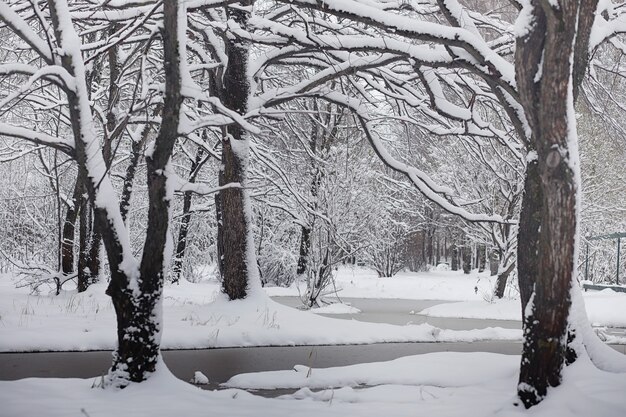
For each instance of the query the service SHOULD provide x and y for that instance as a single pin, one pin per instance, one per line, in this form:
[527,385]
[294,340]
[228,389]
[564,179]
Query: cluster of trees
[334,127]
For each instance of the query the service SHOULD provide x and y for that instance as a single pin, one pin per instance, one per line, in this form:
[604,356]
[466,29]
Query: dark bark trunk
[219,243]
[502,280]
[305,245]
[95,243]
[138,320]
[494,262]
[455,258]
[548,102]
[69,229]
[131,170]
[83,241]
[482,257]
[528,233]
[305,237]
[183,232]
[236,221]
[467,259]
[235,227]
[135,291]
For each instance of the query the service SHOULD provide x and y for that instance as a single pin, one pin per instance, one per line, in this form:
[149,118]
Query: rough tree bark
[467,259]
[69,229]
[502,280]
[139,324]
[181,243]
[239,265]
[131,170]
[135,289]
[548,224]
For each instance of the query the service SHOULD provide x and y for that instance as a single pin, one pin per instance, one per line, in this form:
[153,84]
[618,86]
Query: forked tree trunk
[135,290]
[139,320]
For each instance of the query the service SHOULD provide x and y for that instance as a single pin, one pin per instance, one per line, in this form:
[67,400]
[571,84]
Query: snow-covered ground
[604,308]
[195,315]
[435,285]
[438,384]
[198,316]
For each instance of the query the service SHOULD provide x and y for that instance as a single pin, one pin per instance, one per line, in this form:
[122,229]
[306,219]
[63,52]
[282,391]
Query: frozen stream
[221,364]
[398,311]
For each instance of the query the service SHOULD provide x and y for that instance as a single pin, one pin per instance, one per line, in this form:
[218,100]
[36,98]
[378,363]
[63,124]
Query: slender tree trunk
[502,280]
[494,262]
[131,170]
[455,258]
[529,232]
[69,230]
[467,259]
[482,257]
[305,246]
[95,244]
[84,232]
[219,242]
[183,232]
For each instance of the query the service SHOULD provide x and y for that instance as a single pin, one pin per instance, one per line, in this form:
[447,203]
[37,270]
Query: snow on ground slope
[604,308]
[195,316]
[442,385]
[434,285]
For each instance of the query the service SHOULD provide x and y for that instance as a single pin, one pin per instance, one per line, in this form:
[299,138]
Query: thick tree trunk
[239,260]
[236,221]
[547,47]
[135,290]
[139,319]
